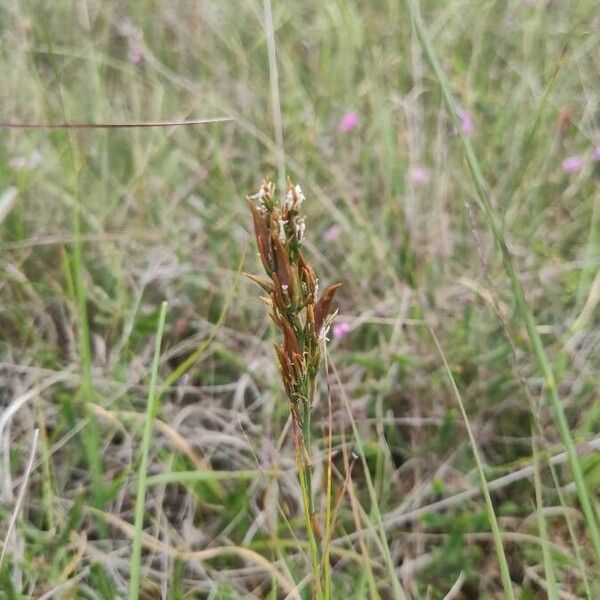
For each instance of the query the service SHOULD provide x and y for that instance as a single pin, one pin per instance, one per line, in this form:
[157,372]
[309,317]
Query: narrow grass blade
[504,572]
[202,476]
[91,440]
[303,467]
[517,287]
[275,100]
[526,150]
[136,553]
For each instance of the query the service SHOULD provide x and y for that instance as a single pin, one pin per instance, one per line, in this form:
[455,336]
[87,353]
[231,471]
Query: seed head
[292,286]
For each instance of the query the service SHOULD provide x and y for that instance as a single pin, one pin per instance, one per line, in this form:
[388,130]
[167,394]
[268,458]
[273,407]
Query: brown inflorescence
[292,288]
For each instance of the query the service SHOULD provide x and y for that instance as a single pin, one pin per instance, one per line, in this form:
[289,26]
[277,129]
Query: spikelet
[292,286]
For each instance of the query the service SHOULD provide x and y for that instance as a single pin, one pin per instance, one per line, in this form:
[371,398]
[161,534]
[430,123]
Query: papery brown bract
[264,282]
[323,305]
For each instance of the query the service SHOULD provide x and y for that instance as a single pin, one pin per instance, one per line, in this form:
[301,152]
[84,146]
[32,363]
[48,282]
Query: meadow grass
[450,180]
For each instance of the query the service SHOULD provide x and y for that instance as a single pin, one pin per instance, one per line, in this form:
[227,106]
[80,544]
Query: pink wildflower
[349,121]
[467,126]
[332,233]
[418,175]
[572,164]
[341,330]
[136,51]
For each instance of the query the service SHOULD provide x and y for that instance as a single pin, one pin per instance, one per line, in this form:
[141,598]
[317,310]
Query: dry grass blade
[129,125]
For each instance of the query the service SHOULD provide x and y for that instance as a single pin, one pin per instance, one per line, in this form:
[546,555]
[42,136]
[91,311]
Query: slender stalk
[91,440]
[303,478]
[307,452]
[328,515]
[140,499]
[275,100]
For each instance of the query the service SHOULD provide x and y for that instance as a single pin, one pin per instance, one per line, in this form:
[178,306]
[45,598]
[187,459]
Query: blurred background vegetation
[99,226]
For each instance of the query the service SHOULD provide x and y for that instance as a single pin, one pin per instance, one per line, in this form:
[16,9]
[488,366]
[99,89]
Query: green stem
[326,544]
[306,451]
[91,437]
[303,467]
[142,482]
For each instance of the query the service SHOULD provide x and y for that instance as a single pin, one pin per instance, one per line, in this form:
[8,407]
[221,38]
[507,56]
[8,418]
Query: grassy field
[451,167]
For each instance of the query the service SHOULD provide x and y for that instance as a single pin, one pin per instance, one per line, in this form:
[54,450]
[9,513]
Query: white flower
[294,198]
[282,236]
[300,198]
[289,199]
[300,226]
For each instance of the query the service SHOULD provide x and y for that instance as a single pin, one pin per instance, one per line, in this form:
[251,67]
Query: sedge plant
[303,317]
